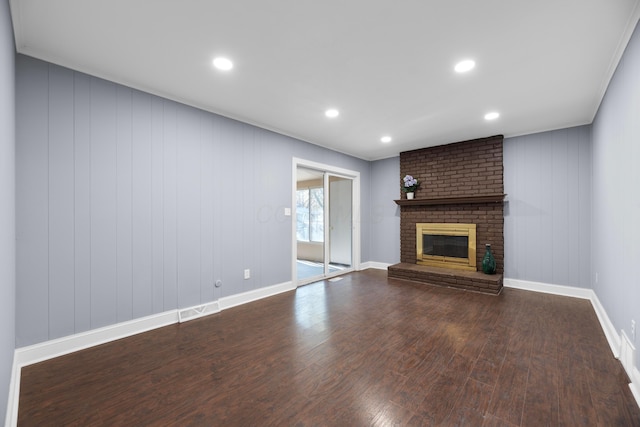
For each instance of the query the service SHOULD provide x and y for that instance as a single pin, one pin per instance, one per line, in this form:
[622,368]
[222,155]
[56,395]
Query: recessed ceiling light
[464,66]
[386,139]
[222,63]
[332,112]
[492,115]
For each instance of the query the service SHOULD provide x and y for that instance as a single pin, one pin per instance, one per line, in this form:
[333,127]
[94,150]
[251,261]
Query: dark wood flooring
[366,350]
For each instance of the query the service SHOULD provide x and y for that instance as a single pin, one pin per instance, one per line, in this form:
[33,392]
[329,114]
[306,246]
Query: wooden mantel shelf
[485,198]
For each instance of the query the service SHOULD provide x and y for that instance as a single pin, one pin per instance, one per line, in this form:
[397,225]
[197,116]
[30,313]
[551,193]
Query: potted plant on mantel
[410,185]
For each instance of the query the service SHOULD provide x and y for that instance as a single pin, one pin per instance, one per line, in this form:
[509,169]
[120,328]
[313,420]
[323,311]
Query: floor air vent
[198,311]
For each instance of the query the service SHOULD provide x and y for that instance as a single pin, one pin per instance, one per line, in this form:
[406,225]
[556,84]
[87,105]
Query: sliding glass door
[340,222]
[310,230]
[324,224]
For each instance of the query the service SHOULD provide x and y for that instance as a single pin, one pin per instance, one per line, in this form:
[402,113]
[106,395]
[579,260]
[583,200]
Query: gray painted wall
[616,194]
[547,224]
[547,177]
[385,214]
[7,205]
[129,204]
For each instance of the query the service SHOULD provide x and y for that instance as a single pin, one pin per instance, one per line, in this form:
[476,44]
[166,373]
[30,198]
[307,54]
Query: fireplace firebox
[446,245]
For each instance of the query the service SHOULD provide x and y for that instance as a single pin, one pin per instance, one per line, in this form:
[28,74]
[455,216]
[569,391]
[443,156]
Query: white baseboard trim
[613,338]
[49,349]
[635,385]
[374,265]
[567,291]
[620,345]
[627,357]
[256,294]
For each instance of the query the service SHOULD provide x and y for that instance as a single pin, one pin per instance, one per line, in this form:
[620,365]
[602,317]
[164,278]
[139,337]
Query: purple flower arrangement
[410,184]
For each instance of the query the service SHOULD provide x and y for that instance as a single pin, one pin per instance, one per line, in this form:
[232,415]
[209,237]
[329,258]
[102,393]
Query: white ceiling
[386,65]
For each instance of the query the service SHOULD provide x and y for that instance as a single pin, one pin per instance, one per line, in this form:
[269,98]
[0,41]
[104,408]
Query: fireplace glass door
[447,245]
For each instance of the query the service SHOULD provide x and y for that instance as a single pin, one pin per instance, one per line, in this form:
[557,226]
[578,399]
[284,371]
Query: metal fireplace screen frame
[436,229]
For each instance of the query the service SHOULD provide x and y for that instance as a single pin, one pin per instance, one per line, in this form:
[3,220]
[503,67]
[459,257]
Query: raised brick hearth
[459,183]
[469,280]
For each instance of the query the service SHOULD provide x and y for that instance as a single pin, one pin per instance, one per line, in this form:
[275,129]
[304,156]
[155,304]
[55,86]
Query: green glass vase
[488,262]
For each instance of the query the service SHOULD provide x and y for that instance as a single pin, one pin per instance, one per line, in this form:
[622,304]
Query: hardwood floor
[362,351]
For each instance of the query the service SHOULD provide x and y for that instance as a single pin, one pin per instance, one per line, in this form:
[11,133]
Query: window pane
[302,215]
[316,214]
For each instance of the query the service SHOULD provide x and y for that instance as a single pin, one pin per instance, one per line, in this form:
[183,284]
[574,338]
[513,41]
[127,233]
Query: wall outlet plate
[247,274]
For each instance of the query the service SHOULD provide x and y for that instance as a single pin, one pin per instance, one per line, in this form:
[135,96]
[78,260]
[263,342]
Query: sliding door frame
[355,210]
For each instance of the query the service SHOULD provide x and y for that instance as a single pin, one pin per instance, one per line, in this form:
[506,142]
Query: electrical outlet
[633,330]
[247,274]
[596,277]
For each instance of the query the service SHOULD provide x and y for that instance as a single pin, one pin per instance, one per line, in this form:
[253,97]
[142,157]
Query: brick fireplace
[459,183]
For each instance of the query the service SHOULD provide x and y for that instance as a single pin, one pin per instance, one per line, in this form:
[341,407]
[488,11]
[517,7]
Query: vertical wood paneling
[129,204]
[384,225]
[616,199]
[231,178]
[543,251]
[141,207]
[61,203]
[250,236]
[270,221]
[7,206]
[124,205]
[574,206]
[103,203]
[261,263]
[561,170]
[584,207]
[189,205]
[546,227]
[82,205]
[509,175]
[217,190]
[157,204]
[207,183]
[32,186]
[170,271]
